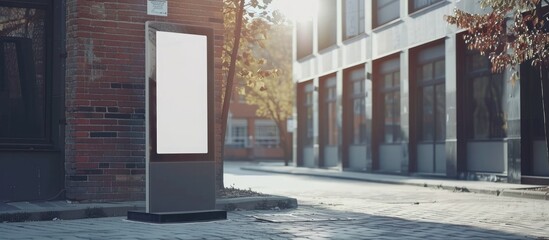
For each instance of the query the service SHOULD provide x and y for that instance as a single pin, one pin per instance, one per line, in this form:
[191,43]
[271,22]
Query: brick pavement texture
[329,209]
[241,225]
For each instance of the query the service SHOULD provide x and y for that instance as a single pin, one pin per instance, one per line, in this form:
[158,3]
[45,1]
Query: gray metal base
[177,217]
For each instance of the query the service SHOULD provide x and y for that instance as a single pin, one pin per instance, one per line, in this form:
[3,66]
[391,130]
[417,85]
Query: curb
[68,214]
[525,194]
[256,203]
[118,210]
[517,193]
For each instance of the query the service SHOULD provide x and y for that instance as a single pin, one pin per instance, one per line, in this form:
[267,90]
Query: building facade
[388,86]
[249,137]
[72,95]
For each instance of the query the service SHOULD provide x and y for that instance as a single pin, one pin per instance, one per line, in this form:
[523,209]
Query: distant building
[72,95]
[249,137]
[388,86]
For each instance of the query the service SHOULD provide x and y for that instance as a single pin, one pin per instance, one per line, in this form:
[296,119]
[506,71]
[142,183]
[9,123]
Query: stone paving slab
[288,217]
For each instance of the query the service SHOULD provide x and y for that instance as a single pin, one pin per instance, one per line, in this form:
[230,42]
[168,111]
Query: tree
[273,93]
[510,43]
[246,22]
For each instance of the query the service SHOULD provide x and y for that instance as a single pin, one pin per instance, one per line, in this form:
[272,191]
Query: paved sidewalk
[304,223]
[330,208]
[492,188]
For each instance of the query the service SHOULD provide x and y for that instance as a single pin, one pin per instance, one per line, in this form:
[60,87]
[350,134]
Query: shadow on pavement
[333,224]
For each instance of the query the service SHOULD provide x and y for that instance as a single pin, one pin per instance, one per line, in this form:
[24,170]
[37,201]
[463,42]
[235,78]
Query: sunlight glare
[298,10]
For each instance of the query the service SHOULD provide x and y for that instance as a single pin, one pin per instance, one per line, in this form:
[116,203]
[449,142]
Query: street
[328,209]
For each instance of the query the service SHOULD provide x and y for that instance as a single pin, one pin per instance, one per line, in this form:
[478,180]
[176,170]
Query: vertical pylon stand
[180,164]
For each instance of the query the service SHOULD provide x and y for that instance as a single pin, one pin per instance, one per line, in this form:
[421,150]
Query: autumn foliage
[513,32]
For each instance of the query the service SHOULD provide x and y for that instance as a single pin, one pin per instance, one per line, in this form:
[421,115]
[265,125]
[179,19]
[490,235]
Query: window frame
[361,28]
[46,141]
[304,39]
[233,139]
[385,91]
[375,10]
[412,9]
[434,82]
[329,100]
[327,28]
[471,75]
[353,96]
[307,108]
[263,140]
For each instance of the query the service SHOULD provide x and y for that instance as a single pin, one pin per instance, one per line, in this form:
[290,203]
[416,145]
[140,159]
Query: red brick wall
[105,96]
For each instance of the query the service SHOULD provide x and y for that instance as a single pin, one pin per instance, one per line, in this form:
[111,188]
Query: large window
[304,37]
[353,18]
[485,92]
[385,11]
[266,134]
[307,109]
[390,91]
[420,4]
[329,116]
[430,77]
[534,107]
[237,136]
[327,23]
[24,81]
[357,96]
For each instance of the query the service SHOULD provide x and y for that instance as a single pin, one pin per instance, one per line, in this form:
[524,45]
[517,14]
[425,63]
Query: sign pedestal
[180,166]
[177,217]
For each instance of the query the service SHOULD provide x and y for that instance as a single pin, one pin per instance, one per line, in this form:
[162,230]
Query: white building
[388,86]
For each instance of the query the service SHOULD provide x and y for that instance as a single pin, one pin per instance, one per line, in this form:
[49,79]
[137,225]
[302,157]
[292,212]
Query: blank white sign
[181,93]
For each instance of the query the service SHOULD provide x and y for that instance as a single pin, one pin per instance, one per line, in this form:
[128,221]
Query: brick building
[72,95]
[250,137]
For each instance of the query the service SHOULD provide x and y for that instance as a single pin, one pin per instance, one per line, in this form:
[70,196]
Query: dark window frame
[46,141]
[353,96]
[328,99]
[307,90]
[391,92]
[472,74]
[434,82]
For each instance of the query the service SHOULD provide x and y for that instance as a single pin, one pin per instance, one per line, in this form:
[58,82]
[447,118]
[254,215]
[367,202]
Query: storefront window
[358,98]
[431,82]
[309,118]
[330,112]
[390,91]
[485,90]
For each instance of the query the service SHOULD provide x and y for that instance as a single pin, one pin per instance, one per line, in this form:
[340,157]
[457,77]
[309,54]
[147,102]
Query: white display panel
[181,93]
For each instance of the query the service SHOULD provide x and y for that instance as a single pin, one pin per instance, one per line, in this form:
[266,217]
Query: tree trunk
[545,104]
[283,135]
[229,91]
